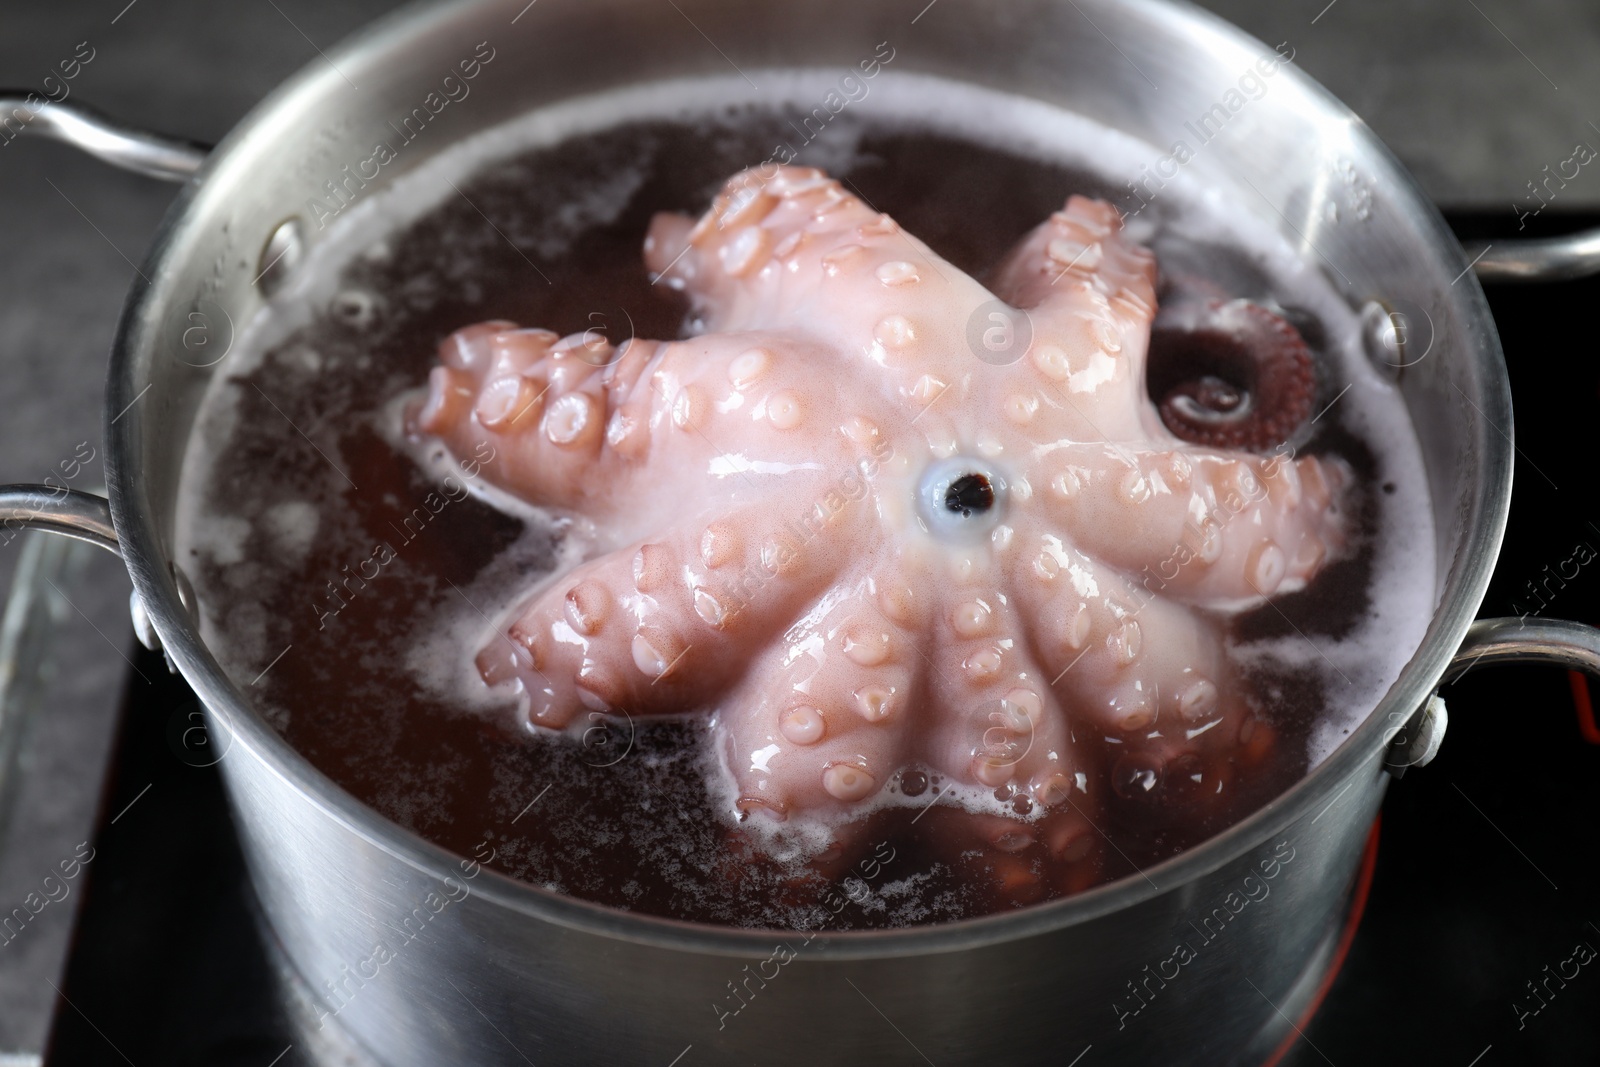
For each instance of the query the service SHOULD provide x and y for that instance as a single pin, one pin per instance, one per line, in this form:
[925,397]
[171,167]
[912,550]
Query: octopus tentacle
[1082,242]
[819,721]
[1145,667]
[767,248]
[1090,297]
[1123,661]
[537,401]
[1154,681]
[564,432]
[647,628]
[1230,374]
[798,254]
[1010,730]
[1202,527]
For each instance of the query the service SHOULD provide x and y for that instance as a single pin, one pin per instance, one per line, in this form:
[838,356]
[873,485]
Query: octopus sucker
[871,555]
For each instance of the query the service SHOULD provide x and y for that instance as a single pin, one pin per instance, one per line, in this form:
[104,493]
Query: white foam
[799,840]
[292,525]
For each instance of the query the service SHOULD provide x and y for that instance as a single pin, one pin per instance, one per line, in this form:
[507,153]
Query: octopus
[892,527]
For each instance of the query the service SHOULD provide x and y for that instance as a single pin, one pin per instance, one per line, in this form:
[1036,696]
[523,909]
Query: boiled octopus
[879,555]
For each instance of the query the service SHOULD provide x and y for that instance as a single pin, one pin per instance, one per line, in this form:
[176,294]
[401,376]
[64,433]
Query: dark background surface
[1468,903]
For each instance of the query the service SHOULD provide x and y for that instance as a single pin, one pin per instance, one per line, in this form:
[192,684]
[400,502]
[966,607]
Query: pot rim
[1457,606]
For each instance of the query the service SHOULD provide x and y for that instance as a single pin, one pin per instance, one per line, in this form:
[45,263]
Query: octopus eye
[1230,375]
[969,495]
[960,499]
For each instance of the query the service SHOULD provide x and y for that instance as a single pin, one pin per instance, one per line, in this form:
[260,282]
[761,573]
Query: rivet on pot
[280,256]
[186,597]
[145,630]
[1396,333]
[1416,743]
[141,623]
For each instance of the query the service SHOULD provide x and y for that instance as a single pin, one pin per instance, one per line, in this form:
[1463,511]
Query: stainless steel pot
[507,973]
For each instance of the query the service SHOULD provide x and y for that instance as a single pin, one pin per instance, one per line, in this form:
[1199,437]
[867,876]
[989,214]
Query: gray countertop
[1475,96]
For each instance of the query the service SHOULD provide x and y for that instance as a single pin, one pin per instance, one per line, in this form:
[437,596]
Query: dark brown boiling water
[621,817]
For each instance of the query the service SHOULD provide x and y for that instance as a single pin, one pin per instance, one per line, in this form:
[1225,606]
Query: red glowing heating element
[1580,698]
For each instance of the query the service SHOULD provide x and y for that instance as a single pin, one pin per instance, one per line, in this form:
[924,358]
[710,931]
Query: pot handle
[150,154]
[63,511]
[1545,259]
[84,517]
[1567,644]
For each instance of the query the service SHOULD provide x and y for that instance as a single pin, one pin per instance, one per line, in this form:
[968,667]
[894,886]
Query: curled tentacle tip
[1231,374]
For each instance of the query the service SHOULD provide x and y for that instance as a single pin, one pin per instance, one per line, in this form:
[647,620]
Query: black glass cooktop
[1477,944]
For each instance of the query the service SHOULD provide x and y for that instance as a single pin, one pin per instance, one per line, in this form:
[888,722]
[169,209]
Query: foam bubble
[292,525]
